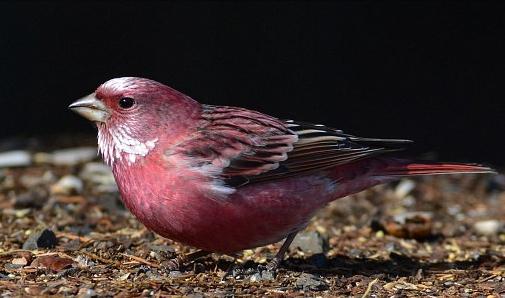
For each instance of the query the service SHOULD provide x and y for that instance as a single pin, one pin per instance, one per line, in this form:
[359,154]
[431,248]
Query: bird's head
[132,114]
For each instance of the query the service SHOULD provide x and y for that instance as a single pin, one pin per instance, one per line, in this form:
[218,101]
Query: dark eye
[126,102]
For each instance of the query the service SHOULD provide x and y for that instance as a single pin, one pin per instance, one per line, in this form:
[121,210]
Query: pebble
[17,158]
[20,261]
[34,198]
[100,175]
[84,262]
[67,185]
[175,273]
[161,252]
[86,293]
[263,275]
[310,282]
[404,188]
[43,239]
[153,275]
[73,156]
[309,242]
[30,181]
[11,266]
[72,245]
[488,227]
[414,225]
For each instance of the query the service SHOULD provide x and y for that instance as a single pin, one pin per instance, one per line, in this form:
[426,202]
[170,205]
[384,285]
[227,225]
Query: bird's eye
[126,102]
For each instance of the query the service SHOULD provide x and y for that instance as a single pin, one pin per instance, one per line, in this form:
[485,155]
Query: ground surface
[370,244]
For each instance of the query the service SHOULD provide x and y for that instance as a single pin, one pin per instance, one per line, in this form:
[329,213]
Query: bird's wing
[247,146]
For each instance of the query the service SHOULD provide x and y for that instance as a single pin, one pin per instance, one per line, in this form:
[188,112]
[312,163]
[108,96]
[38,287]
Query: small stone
[11,266]
[404,188]
[21,213]
[175,273]
[31,180]
[72,245]
[488,227]
[20,261]
[52,262]
[86,293]
[84,262]
[153,275]
[124,276]
[263,275]
[42,158]
[17,158]
[34,198]
[99,175]
[309,242]
[413,225]
[43,239]
[161,248]
[310,282]
[67,185]
[73,156]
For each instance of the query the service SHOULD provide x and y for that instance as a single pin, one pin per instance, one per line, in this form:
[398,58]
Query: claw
[178,262]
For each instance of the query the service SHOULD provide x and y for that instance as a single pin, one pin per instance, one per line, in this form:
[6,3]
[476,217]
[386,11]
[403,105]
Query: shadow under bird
[224,179]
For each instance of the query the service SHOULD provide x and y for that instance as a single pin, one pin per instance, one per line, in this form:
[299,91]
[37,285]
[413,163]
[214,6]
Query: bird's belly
[253,216]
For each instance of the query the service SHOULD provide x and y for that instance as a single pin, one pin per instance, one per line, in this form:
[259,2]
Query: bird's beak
[91,108]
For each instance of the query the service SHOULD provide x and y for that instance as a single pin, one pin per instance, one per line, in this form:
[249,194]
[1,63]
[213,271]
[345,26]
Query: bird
[224,179]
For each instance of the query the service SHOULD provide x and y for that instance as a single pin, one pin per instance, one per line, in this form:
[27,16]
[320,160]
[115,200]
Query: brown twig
[103,260]
[13,252]
[369,288]
[73,237]
[141,260]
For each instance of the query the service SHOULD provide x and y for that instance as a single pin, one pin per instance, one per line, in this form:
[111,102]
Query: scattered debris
[16,158]
[488,227]
[95,247]
[43,239]
[52,262]
[67,185]
[310,242]
[414,225]
[310,282]
[262,275]
[99,176]
[73,156]
[404,188]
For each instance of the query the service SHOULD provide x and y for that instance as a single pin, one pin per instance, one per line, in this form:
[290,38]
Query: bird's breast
[179,205]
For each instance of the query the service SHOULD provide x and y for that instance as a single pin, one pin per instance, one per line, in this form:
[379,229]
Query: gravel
[369,243]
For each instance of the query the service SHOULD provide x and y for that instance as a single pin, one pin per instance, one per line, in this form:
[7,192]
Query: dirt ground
[64,232]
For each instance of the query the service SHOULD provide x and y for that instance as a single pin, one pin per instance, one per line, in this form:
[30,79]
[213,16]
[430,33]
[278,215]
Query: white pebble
[488,227]
[18,158]
[404,188]
[67,185]
[99,175]
[73,156]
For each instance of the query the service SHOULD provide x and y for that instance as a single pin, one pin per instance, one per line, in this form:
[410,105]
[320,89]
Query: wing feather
[247,146]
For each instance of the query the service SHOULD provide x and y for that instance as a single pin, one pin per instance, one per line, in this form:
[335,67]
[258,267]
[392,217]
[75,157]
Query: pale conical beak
[91,108]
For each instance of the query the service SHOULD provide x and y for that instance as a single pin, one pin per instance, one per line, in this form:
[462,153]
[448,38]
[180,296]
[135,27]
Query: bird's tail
[399,167]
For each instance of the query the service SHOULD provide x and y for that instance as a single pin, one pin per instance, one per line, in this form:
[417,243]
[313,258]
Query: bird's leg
[277,260]
[177,262]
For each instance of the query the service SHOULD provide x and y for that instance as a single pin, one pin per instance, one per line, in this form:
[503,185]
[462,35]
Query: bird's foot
[273,264]
[264,273]
[177,263]
[258,273]
[174,264]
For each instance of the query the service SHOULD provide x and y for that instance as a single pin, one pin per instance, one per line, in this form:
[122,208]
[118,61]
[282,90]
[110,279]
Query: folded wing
[244,146]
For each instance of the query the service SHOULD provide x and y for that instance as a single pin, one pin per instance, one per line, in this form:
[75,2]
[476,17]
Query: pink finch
[224,179]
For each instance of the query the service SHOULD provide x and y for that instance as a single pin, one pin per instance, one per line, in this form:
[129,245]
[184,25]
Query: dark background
[432,72]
